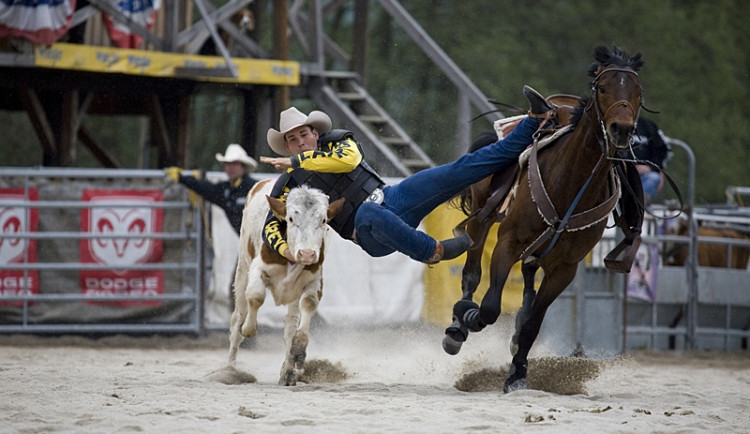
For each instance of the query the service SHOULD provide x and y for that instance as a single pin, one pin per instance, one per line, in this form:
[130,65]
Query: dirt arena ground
[358,381]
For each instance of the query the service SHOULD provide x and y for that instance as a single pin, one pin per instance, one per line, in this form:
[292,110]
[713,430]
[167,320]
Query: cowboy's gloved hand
[172,174]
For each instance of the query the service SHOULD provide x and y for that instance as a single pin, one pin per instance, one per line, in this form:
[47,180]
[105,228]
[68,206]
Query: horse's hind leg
[529,273]
[552,285]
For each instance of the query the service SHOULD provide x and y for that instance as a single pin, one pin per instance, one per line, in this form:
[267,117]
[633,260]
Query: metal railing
[693,306]
[60,303]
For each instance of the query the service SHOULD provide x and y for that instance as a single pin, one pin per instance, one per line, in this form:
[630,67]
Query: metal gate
[692,307]
[48,285]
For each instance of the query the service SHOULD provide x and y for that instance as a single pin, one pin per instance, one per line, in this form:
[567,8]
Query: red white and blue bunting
[40,21]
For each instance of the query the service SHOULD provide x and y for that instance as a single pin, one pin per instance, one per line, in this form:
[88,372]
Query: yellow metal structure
[160,64]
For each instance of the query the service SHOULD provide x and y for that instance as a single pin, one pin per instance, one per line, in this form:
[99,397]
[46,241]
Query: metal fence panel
[123,301]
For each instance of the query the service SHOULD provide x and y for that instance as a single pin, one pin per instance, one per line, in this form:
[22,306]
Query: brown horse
[709,255]
[559,210]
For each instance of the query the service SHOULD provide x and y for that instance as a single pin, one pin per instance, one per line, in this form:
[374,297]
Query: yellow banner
[159,64]
[442,281]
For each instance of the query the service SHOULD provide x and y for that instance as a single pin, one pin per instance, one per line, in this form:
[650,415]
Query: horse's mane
[617,57]
[579,110]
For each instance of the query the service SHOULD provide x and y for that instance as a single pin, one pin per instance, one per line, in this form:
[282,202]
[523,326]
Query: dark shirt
[230,198]
[649,144]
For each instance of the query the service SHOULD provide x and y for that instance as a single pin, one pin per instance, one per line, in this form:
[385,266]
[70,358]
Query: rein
[668,178]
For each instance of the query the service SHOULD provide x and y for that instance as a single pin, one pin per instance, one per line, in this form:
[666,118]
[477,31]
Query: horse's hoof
[519,384]
[455,336]
[451,346]
[516,377]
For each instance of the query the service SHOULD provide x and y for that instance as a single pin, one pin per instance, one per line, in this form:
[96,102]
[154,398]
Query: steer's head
[306,212]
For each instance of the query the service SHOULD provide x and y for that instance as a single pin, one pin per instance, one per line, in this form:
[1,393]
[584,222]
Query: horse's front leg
[471,317]
[529,274]
[553,284]
[456,334]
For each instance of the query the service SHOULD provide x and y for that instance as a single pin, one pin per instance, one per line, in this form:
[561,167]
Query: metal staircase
[389,149]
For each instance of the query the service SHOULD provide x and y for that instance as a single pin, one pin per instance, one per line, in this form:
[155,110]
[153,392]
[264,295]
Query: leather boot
[538,106]
[450,248]
[437,255]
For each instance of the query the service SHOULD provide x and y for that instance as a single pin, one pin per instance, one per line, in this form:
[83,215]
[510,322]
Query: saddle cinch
[620,259]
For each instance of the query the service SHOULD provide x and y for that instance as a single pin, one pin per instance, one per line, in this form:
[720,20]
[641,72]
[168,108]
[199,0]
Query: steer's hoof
[288,378]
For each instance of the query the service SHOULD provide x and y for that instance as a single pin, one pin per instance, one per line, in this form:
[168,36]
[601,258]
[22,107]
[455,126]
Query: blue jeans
[391,226]
[650,181]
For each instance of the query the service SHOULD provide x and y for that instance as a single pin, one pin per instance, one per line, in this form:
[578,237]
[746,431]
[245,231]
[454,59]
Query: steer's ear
[278,208]
[335,207]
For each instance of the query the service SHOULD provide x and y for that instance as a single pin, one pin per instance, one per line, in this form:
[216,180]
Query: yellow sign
[159,64]
[442,281]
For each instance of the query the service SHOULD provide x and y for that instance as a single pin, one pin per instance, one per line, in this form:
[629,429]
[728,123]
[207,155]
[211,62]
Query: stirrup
[620,259]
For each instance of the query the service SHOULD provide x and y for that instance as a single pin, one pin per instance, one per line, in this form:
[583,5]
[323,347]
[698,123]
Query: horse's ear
[278,208]
[335,207]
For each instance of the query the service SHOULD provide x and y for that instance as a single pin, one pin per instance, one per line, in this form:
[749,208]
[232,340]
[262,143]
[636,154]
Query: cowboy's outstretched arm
[279,163]
[342,157]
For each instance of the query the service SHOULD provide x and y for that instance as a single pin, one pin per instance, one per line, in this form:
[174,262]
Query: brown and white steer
[298,285]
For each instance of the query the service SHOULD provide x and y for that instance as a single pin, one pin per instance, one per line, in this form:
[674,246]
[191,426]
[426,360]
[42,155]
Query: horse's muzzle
[620,134]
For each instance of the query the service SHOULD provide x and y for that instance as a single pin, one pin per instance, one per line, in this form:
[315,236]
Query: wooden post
[67,137]
[280,49]
[359,50]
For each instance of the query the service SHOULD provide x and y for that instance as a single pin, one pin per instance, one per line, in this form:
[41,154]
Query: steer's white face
[306,219]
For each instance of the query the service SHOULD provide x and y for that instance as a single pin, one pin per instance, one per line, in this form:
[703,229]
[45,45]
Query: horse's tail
[462,200]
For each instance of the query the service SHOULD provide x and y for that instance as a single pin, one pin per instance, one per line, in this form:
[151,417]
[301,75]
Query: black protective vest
[355,186]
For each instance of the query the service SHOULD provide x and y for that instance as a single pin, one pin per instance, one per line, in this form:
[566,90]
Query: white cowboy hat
[292,118]
[235,153]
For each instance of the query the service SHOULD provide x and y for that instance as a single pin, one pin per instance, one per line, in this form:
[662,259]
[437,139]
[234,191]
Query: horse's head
[616,96]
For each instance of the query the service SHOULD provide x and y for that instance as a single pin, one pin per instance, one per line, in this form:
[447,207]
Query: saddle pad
[504,126]
[524,157]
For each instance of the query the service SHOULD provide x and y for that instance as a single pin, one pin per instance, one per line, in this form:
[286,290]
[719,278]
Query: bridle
[604,141]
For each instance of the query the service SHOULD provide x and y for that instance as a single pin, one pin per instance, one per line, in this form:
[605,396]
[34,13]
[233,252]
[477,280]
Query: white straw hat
[235,153]
[292,118]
